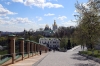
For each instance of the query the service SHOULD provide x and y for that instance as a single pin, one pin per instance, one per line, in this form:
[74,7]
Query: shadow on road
[76,54]
[78,57]
[80,64]
[81,58]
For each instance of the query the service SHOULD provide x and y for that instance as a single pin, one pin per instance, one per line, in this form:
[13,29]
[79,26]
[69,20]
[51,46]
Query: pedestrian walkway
[69,58]
[30,61]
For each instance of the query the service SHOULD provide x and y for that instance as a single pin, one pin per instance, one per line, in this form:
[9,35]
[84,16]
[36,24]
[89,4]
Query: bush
[94,53]
[63,50]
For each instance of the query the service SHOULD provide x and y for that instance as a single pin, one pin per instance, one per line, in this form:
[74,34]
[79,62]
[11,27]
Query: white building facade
[50,42]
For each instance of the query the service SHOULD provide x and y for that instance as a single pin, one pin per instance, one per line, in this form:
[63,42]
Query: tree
[89,23]
[60,34]
[63,33]
[37,37]
[69,45]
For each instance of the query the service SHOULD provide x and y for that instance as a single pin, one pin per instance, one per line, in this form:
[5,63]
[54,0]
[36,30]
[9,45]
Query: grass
[3,52]
[94,53]
[5,60]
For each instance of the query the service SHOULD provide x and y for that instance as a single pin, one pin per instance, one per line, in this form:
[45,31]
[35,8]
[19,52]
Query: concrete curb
[74,48]
[35,64]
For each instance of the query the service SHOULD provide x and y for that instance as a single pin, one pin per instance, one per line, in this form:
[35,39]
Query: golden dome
[46,26]
[54,23]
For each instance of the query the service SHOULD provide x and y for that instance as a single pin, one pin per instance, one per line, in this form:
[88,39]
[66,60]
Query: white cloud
[50,5]
[42,25]
[39,3]
[39,18]
[18,24]
[4,11]
[49,14]
[21,1]
[62,17]
[52,0]
[18,20]
[2,21]
[11,28]
[69,23]
[6,17]
[8,3]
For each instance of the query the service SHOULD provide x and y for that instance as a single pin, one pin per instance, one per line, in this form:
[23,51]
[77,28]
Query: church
[48,31]
[54,26]
[47,41]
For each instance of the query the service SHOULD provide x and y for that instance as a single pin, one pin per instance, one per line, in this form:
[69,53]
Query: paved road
[69,58]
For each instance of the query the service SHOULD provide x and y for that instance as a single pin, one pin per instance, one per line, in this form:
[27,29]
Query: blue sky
[17,15]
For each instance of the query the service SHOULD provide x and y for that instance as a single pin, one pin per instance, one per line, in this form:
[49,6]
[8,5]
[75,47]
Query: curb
[74,48]
[36,63]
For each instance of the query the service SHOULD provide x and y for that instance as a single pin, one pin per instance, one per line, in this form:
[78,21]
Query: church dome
[46,27]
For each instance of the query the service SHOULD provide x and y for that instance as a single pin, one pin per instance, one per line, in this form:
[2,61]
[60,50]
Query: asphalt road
[69,58]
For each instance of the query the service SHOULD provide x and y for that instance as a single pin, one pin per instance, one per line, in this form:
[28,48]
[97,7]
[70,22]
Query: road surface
[69,58]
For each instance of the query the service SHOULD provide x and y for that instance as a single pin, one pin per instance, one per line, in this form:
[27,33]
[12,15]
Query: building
[54,26]
[47,27]
[50,42]
[48,31]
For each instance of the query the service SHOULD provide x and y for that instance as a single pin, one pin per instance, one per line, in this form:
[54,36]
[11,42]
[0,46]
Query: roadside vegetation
[88,29]
[94,53]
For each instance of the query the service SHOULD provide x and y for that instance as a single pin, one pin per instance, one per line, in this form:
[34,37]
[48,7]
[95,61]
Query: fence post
[31,45]
[12,47]
[22,47]
[28,47]
[35,47]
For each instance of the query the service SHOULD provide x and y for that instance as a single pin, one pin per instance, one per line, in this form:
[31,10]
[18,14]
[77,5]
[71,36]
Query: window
[54,42]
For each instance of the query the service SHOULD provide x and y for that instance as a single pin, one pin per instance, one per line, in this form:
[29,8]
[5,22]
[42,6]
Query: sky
[17,15]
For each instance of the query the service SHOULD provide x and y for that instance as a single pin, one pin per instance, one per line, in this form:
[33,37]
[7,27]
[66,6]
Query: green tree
[37,37]
[64,34]
[89,23]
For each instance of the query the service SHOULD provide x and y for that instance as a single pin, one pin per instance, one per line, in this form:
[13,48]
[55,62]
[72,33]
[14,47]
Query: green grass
[18,56]
[25,55]
[4,60]
[2,52]
[94,53]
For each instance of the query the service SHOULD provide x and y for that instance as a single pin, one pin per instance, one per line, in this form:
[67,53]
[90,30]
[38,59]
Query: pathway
[29,61]
[69,58]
